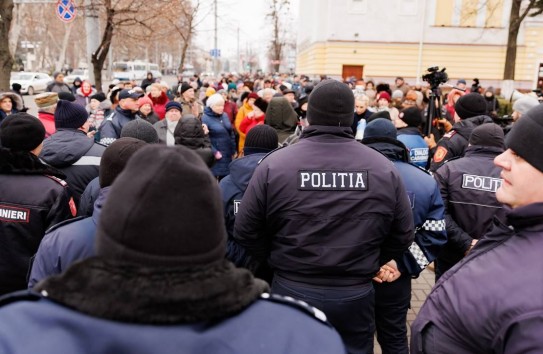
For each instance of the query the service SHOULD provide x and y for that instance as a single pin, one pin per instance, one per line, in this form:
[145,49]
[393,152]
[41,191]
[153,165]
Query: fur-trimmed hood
[15,98]
[152,295]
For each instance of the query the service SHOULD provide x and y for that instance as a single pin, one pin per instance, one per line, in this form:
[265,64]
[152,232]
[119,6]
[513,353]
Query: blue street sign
[66,10]
[215,53]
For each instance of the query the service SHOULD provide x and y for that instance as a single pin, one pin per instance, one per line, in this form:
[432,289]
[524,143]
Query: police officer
[411,136]
[468,186]
[470,112]
[125,112]
[33,197]
[392,300]
[138,294]
[328,218]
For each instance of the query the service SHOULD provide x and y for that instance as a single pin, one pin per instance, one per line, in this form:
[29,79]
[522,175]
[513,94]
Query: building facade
[383,39]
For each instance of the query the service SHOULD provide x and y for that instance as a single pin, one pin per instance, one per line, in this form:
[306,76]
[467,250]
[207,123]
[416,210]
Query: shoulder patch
[65,222]
[297,304]
[58,180]
[23,295]
[440,154]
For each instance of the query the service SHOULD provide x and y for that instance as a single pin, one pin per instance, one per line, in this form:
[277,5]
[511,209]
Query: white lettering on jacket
[12,214]
[333,180]
[481,183]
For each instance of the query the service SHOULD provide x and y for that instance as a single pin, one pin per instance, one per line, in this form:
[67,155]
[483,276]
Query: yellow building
[388,38]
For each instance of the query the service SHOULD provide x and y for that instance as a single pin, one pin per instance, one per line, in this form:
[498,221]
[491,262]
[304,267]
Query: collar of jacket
[318,130]
[125,112]
[25,163]
[153,295]
[393,149]
[527,217]
[483,150]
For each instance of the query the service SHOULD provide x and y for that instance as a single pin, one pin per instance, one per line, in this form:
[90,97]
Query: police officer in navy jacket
[326,213]
[392,300]
[159,282]
[468,186]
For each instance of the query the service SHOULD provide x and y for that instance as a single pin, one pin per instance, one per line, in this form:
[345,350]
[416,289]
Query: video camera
[435,77]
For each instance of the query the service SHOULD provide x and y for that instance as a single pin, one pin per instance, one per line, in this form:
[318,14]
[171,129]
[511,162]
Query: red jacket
[159,104]
[247,123]
[48,120]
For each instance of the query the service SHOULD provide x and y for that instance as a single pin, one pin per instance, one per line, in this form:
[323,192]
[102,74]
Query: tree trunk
[62,55]
[183,55]
[6,57]
[16,28]
[99,56]
[511,53]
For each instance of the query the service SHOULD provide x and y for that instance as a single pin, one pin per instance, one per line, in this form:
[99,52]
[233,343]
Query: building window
[469,13]
[358,6]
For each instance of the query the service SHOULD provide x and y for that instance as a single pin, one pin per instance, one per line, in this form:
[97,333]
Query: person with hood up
[73,240]
[470,112]
[83,94]
[281,116]
[33,197]
[76,85]
[71,150]
[190,133]
[138,294]
[492,103]
[149,80]
[10,103]
[261,140]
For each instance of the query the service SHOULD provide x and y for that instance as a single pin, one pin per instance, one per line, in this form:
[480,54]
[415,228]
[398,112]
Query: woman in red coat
[255,117]
[159,99]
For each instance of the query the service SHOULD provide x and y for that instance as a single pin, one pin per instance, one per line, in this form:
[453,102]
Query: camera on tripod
[435,77]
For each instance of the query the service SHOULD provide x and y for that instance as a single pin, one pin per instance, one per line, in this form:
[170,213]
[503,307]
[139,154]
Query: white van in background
[134,70]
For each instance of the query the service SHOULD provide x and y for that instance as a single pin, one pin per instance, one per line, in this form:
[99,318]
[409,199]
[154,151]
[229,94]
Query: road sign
[215,53]
[66,10]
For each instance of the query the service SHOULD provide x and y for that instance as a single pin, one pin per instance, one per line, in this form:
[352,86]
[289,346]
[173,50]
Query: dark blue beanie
[380,128]
[70,115]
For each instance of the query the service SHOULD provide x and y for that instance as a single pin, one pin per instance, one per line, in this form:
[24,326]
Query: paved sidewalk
[420,288]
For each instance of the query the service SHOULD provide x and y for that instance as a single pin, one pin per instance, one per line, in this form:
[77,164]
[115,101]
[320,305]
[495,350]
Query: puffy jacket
[89,196]
[253,329]
[426,204]
[468,186]
[417,147]
[491,302]
[222,139]
[455,142]
[66,243]
[111,127]
[331,215]
[76,155]
[32,199]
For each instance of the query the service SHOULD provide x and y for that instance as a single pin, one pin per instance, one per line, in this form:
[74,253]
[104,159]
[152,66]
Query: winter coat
[426,204]
[111,127]
[491,301]
[326,210]
[66,243]
[243,111]
[468,186]
[455,142]
[17,104]
[417,147]
[367,113]
[33,197]
[281,116]
[76,155]
[83,99]
[48,121]
[56,87]
[159,104]
[247,123]
[89,196]
[151,117]
[222,139]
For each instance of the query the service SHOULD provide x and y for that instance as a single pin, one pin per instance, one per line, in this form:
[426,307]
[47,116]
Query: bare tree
[6,57]
[278,8]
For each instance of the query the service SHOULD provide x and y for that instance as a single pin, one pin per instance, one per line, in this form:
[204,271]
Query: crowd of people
[278,213]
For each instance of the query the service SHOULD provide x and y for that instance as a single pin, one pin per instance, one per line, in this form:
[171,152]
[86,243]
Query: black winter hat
[184,87]
[21,131]
[488,134]
[70,115]
[525,137]
[100,96]
[66,96]
[411,116]
[380,128]
[377,115]
[115,157]
[261,104]
[140,129]
[164,210]
[260,139]
[331,103]
[470,105]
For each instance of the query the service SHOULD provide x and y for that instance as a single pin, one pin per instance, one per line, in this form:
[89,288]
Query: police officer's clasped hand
[388,272]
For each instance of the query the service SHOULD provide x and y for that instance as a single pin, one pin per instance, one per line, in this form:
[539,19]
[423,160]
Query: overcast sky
[249,15]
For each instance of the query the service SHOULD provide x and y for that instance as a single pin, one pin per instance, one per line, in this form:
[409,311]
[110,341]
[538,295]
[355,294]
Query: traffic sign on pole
[66,10]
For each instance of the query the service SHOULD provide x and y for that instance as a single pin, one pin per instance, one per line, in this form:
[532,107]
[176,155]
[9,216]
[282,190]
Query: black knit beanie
[66,96]
[488,134]
[331,103]
[100,96]
[470,105]
[377,115]
[21,131]
[525,137]
[115,157]
[70,115]
[140,129]
[380,128]
[411,116]
[184,87]
[261,104]
[164,210]
[260,139]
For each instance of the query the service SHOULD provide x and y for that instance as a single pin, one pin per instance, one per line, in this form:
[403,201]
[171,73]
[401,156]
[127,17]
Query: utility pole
[216,57]
[92,25]
[239,58]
